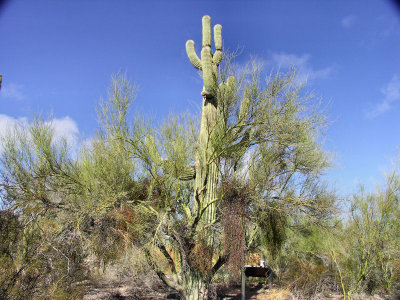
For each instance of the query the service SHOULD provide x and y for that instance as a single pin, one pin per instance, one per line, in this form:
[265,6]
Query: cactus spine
[206,178]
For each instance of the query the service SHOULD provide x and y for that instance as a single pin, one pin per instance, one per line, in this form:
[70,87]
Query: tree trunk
[195,287]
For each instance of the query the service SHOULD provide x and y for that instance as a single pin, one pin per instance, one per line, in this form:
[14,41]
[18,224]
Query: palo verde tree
[218,190]
[41,254]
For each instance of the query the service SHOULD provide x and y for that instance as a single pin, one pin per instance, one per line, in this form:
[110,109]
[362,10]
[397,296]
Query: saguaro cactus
[209,63]
[195,242]
[206,178]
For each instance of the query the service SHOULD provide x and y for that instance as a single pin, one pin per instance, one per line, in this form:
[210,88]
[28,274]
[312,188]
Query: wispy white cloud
[64,128]
[391,95]
[12,91]
[348,21]
[305,71]
[7,123]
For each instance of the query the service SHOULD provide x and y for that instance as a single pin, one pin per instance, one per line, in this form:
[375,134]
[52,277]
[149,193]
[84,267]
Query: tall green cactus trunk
[206,170]
[206,180]
[195,282]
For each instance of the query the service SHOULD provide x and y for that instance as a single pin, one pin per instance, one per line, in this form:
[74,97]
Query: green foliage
[37,177]
[371,257]
[354,255]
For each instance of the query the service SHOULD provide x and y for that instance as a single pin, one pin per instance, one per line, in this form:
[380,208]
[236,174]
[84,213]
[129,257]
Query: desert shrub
[33,267]
[302,261]
[372,238]
[307,277]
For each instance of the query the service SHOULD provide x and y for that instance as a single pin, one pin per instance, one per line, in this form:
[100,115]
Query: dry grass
[276,294]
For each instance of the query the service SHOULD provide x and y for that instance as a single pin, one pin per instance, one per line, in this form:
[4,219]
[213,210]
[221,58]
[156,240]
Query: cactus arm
[218,44]
[227,88]
[191,53]
[244,106]
[217,57]
[230,85]
[206,59]
[206,23]
[188,173]
[218,37]
[231,82]
[208,74]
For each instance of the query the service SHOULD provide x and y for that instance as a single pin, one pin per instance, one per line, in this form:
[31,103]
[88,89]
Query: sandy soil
[146,291]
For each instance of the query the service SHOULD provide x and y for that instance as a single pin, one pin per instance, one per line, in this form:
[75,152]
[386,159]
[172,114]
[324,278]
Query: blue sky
[57,57]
